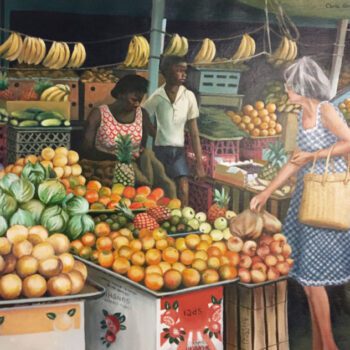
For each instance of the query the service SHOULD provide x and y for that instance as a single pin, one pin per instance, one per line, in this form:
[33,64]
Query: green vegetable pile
[36,199]
[214,123]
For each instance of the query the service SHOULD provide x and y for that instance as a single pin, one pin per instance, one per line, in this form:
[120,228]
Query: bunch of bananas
[33,51]
[12,47]
[138,52]
[58,92]
[59,56]
[286,51]
[206,53]
[246,49]
[177,46]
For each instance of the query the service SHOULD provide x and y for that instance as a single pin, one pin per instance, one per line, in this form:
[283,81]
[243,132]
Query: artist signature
[344,5]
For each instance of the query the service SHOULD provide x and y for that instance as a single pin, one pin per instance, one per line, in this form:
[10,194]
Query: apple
[290,262]
[258,276]
[220,223]
[249,248]
[272,273]
[201,217]
[286,250]
[280,258]
[256,259]
[194,224]
[270,260]
[265,239]
[230,214]
[263,250]
[283,268]
[234,244]
[227,233]
[176,212]
[259,266]
[216,235]
[279,237]
[276,247]
[244,275]
[205,227]
[245,261]
[188,213]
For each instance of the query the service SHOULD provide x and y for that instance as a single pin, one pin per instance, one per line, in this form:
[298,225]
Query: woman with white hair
[321,256]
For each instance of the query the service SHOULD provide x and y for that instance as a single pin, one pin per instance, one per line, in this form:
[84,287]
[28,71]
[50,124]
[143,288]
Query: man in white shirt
[175,107]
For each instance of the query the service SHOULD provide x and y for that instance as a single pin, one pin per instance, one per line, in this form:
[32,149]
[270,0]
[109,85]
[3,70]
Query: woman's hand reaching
[258,201]
[301,158]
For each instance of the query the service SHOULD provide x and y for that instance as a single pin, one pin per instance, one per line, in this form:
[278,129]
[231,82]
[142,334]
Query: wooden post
[338,55]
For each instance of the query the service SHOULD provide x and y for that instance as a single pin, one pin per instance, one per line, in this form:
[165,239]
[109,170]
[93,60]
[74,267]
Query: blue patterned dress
[321,256]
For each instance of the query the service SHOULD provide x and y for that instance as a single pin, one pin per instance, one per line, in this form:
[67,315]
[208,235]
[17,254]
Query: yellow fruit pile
[257,120]
[64,162]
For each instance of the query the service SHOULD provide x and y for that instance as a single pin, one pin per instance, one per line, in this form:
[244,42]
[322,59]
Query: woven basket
[326,199]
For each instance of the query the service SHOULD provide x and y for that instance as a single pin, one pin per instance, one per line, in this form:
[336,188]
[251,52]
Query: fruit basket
[24,141]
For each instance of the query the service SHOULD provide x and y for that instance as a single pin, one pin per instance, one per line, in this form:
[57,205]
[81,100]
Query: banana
[47,92]
[61,57]
[15,49]
[130,54]
[285,49]
[82,58]
[37,50]
[209,52]
[66,98]
[63,87]
[65,55]
[294,54]
[145,50]
[50,54]
[291,49]
[252,46]
[212,54]
[21,56]
[72,57]
[4,47]
[184,47]
[32,52]
[42,52]
[138,53]
[242,48]
[141,49]
[27,49]
[203,52]
[173,45]
[57,95]
[279,56]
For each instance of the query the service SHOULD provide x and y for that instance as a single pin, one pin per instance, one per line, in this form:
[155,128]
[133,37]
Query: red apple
[286,250]
[245,261]
[265,239]
[276,247]
[234,244]
[270,260]
[272,273]
[283,268]
[263,250]
[280,258]
[257,276]
[256,259]
[259,266]
[249,248]
[279,237]
[244,275]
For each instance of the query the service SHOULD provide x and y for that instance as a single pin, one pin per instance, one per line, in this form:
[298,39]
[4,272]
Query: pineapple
[276,157]
[33,93]
[124,172]
[219,208]
[160,214]
[5,93]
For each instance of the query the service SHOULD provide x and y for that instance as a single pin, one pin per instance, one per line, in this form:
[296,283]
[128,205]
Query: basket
[228,150]
[24,141]
[200,195]
[3,143]
[255,147]
[214,81]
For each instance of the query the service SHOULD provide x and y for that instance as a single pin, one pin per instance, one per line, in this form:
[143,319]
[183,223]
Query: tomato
[85,253]
[94,185]
[88,239]
[91,196]
[104,244]
[105,258]
[76,246]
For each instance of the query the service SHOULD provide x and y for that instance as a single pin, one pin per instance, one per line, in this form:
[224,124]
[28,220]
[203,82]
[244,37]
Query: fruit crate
[19,85]
[214,81]
[24,141]
[227,150]
[256,316]
[3,143]
[200,195]
[255,147]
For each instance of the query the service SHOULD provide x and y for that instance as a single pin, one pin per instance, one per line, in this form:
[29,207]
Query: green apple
[188,213]
[220,223]
[205,227]
[201,217]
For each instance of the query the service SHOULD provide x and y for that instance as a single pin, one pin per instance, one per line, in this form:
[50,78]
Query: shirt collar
[161,92]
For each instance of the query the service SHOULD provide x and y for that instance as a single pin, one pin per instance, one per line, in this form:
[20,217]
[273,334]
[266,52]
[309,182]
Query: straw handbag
[326,198]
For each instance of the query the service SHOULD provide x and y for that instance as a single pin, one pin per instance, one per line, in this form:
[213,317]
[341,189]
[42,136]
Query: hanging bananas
[12,47]
[206,53]
[246,49]
[58,92]
[138,52]
[177,46]
[285,52]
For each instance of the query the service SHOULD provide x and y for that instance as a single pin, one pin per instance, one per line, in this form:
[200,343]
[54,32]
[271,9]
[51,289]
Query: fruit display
[101,75]
[345,108]
[219,207]
[206,53]
[124,171]
[138,52]
[37,117]
[31,50]
[275,93]
[286,51]
[58,92]
[258,120]
[33,264]
[177,46]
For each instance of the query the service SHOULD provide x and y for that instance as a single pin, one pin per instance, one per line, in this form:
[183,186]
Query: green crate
[24,141]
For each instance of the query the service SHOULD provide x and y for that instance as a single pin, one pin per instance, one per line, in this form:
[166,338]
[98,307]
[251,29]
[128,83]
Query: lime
[122,220]
[115,226]
[166,225]
[175,220]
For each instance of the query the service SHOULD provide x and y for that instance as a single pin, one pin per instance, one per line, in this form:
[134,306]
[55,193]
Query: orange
[47,153]
[201,254]
[102,229]
[233,258]
[144,232]
[59,160]
[105,258]
[88,239]
[143,190]
[91,196]
[170,255]
[192,240]
[20,162]
[272,132]
[153,256]
[119,242]
[228,272]
[9,168]
[164,266]
[221,245]
[174,203]
[104,200]
[259,105]
[266,119]
[79,190]
[190,277]
[179,266]
[76,169]
[172,279]
[224,260]
[136,273]
[125,252]
[264,126]
[138,258]
[67,171]
[157,193]
[94,256]
[247,109]
[161,244]
[30,158]
[180,244]
[199,264]
[115,197]
[58,170]
[149,204]
[105,192]
[171,241]
[93,185]
[263,113]
[73,157]
[213,262]
[203,245]
[129,192]
[159,233]
[112,205]
[148,243]
[76,246]
[61,150]
[254,113]
[104,243]
[255,132]
[186,257]
[85,252]
[210,276]
[214,251]
[121,265]
[154,269]
[66,184]
[135,245]
[207,238]
[278,128]
[271,107]
[81,180]
[272,124]
[118,189]
[273,117]
[154,281]
[257,121]
[136,205]
[114,234]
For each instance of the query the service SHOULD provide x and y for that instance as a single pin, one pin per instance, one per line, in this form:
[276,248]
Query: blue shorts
[173,160]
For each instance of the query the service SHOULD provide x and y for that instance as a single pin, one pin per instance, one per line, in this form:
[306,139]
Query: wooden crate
[21,84]
[256,317]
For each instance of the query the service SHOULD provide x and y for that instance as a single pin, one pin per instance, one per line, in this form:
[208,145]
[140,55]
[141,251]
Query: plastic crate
[3,143]
[200,195]
[255,148]
[24,141]
[214,81]
[228,150]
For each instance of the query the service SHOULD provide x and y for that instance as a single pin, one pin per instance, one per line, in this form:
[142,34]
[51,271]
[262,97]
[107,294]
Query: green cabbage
[7,180]
[22,217]
[51,192]
[76,206]
[3,226]
[78,225]
[35,173]
[54,219]
[23,190]
[35,207]
[8,205]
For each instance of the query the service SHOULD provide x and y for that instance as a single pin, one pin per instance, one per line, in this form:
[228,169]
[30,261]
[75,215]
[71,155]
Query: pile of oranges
[157,260]
[257,120]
